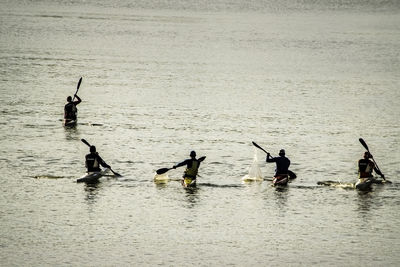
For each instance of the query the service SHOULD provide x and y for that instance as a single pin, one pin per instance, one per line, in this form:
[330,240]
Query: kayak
[69,123]
[280,180]
[188,182]
[92,177]
[364,183]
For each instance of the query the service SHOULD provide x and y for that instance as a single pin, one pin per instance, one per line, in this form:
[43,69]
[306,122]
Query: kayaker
[282,165]
[93,161]
[70,110]
[366,167]
[192,167]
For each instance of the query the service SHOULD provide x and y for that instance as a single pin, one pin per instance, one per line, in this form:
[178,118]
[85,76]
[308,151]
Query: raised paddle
[87,143]
[77,88]
[292,175]
[164,170]
[366,147]
[257,146]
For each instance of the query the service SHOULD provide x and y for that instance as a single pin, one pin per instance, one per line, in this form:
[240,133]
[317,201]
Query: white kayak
[364,183]
[92,177]
[69,123]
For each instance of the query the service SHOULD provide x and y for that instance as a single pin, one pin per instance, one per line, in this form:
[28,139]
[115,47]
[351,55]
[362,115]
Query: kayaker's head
[193,154]
[92,149]
[367,155]
[69,99]
[282,152]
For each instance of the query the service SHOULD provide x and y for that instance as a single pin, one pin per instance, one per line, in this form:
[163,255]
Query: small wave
[47,177]
[337,184]
[219,185]
[50,16]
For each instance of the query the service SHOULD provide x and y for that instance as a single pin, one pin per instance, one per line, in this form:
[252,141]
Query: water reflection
[192,196]
[71,133]
[92,190]
[281,197]
[162,185]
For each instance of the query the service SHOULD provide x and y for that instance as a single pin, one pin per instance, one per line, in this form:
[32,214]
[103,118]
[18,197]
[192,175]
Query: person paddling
[282,167]
[93,161]
[70,110]
[366,167]
[192,167]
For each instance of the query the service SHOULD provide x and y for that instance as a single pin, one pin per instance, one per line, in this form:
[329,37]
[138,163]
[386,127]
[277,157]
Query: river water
[162,78]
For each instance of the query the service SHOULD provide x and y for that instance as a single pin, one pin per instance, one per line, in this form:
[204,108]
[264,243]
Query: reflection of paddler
[192,168]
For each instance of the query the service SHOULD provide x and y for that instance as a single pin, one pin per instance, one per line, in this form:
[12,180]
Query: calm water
[166,77]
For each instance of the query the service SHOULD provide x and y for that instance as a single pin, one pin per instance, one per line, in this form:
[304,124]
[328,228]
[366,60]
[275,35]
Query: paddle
[257,146]
[292,175]
[77,88]
[164,170]
[87,143]
[366,147]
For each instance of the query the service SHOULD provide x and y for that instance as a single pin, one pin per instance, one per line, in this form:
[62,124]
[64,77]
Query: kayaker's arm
[378,171]
[102,163]
[269,158]
[202,158]
[183,163]
[78,101]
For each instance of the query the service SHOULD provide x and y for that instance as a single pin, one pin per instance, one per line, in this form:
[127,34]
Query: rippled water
[163,78]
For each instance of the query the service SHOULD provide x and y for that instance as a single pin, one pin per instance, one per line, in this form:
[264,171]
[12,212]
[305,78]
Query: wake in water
[337,184]
[254,174]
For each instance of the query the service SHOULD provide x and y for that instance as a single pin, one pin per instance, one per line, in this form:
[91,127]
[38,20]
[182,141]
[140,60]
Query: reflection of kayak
[69,123]
[92,177]
[280,180]
[188,182]
[364,183]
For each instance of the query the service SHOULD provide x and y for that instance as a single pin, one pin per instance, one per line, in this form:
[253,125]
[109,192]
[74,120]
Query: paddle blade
[115,173]
[292,175]
[162,170]
[79,84]
[85,142]
[363,143]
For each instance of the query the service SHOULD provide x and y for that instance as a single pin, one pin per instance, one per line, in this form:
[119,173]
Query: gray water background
[163,78]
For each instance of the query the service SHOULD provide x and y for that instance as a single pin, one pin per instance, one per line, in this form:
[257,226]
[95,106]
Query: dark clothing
[282,164]
[192,167]
[365,168]
[70,110]
[93,162]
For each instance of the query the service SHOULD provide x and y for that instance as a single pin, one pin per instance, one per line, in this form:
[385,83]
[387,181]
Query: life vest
[191,171]
[365,168]
[92,163]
